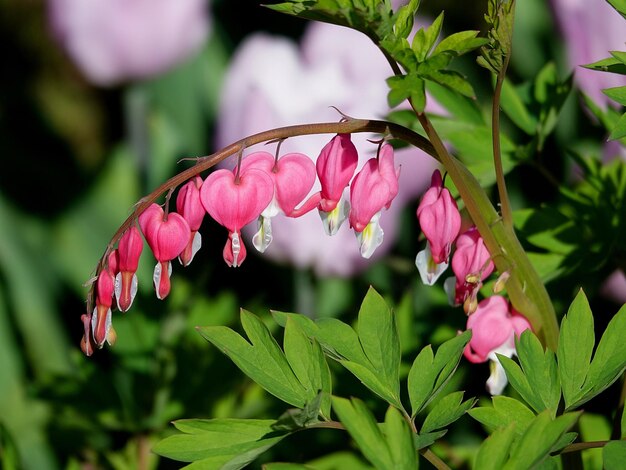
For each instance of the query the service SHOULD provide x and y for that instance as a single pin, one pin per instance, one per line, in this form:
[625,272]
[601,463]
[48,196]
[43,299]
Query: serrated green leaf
[425,39]
[460,43]
[609,360]
[576,341]
[540,369]
[538,440]
[518,381]
[446,411]
[614,454]
[452,80]
[222,439]
[379,338]
[429,373]
[371,380]
[400,440]
[308,363]
[362,427]
[494,450]
[619,131]
[504,412]
[263,361]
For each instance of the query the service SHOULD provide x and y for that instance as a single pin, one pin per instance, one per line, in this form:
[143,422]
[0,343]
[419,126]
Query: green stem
[505,204]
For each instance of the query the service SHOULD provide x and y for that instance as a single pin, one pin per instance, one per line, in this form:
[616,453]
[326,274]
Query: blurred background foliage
[75,158]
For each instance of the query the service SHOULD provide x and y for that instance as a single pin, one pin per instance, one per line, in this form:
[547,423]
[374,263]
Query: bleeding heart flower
[293,176]
[373,188]
[188,205]
[101,316]
[471,264]
[167,235]
[128,252]
[494,325]
[234,202]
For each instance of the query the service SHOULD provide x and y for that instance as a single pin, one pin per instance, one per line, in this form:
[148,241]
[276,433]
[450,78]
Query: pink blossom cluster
[493,321]
[260,187]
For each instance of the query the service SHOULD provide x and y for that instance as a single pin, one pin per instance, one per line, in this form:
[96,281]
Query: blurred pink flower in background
[591,28]
[113,41]
[272,82]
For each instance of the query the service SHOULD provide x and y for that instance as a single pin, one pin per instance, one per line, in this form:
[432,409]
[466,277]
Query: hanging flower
[101,316]
[440,222]
[495,325]
[373,189]
[234,201]
[167,236]
[293,176]
[128,252]
[188,205]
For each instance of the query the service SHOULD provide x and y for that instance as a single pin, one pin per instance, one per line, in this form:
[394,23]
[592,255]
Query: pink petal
[335,168]
[369,193]
[130,247]
[294,179]
[188,203]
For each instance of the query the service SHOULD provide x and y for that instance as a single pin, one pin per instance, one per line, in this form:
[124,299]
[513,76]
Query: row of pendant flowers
[260,187]
[495,324]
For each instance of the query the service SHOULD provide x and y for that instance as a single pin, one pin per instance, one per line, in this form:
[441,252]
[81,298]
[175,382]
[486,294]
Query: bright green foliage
[371,353]
[227,444]
[391,449]
[619,5]
[505,412]
[264,361]
[429,373]
[446,411]
[614,454]
[507,449]
[536,378]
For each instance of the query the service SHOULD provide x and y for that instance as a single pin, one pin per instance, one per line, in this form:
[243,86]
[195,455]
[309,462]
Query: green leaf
[610,64]
[616,94]
[446,411]
[429,373]
[539,439]
[619,131]
[540,369]
[405,17]
[400,440]
[295,419]
[424,40]
[576,341]
[362,427]
[494,450]
[614,454]
[233,443]
[461,107]
[452,80]
[371,380]
[308,363]
[609,360]
[519,382]
[379,338]
[459,43]
[504,412]
[263,361]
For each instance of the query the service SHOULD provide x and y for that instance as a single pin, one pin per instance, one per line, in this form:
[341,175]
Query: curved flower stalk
[494,325]
[263,88]
[113,41]
[167,235]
